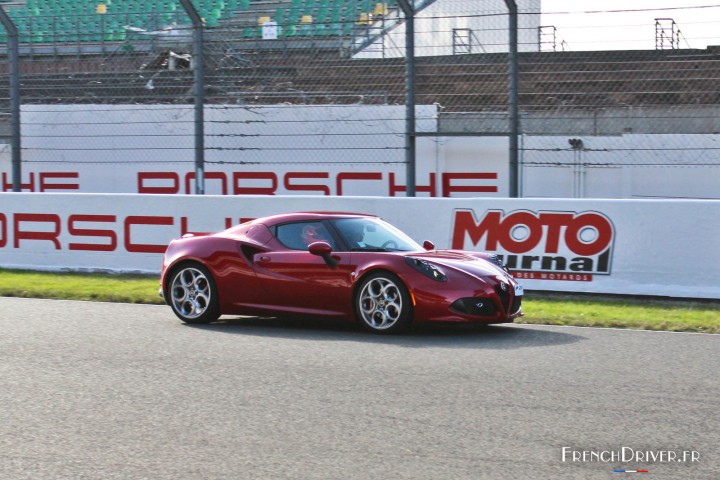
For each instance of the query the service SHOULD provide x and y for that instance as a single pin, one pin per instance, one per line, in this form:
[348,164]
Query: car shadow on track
[502,336]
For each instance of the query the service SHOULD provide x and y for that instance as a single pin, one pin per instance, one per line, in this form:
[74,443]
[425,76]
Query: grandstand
[76,21]
[138,51]
[275,54]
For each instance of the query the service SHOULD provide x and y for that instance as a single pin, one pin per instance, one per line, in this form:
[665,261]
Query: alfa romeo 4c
[350,266]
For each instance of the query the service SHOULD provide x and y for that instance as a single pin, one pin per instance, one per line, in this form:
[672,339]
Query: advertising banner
[641,247]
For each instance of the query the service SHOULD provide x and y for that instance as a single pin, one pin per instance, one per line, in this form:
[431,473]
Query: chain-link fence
[318,89]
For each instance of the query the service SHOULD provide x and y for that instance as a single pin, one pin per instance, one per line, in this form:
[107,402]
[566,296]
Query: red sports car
[350,266]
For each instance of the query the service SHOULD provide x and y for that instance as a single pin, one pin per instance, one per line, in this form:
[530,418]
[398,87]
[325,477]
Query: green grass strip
[551,309]
[675,315]
[80,286]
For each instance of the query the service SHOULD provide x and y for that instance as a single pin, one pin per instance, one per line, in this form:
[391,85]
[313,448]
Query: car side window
[300,235]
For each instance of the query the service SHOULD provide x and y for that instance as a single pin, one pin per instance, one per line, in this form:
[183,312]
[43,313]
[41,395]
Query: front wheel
[193,294]
[382,304]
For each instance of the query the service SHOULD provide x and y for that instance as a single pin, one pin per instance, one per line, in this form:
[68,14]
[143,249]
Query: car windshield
[374,235]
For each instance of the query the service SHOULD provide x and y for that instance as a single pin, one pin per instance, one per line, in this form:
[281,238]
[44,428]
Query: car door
[295,280]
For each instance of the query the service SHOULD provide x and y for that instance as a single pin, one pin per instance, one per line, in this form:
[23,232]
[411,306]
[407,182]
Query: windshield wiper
[368,249]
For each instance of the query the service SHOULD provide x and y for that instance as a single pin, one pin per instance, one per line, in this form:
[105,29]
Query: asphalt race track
[112,391]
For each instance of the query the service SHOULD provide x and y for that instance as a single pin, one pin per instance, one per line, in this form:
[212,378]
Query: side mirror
[323,249]
[320,248]
[428,245]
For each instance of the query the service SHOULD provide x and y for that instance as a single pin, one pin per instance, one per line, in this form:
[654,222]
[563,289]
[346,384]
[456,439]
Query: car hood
[473,263]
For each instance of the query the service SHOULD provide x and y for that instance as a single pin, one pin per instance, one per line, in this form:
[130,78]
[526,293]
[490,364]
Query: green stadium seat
[82,21]
[321,30]
[290,31]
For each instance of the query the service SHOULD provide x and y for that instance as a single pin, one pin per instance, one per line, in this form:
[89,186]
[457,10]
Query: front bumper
[467,307]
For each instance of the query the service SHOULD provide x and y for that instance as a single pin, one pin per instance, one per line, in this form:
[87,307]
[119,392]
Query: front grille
[504,296]
[480,307]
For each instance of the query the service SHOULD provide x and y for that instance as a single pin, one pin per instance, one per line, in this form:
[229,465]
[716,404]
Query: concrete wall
[643,247]
[344,150]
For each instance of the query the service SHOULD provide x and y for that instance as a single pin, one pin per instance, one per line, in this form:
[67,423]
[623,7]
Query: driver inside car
[355,234]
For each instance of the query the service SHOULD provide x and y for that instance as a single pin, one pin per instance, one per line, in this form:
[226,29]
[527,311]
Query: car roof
[303,216]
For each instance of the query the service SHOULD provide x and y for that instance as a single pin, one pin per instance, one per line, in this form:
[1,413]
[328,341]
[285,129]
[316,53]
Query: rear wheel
[193,294]
[382,304]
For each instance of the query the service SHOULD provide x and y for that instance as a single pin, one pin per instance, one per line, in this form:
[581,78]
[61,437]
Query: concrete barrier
[641,247]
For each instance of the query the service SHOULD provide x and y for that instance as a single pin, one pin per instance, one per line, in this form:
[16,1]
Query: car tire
[192,294]
[382,304]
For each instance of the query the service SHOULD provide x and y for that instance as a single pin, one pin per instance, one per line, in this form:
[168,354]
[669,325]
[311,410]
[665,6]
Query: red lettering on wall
[190,179]
[172,178]
[448,188]
[291,187]
[267,183]
[354,176]
[7,186]
[144,220]
[184,227]
[50,236]
[3,230]
[554,221]
[501,231]
[44,182]
[45,185]
[465,223]
[238,190]
[110,235]
[589,220]
[517,219]
[394,188]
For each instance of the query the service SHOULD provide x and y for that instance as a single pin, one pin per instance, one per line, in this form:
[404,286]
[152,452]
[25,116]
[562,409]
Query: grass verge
[80,286]
[539,308]
[623,312]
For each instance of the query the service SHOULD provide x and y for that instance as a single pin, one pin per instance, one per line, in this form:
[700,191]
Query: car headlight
[493,258]
[426,268]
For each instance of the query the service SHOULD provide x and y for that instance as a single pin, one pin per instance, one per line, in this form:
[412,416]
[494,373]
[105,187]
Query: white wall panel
[644,247]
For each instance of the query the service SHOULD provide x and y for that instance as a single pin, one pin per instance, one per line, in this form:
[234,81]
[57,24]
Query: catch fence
[297,84]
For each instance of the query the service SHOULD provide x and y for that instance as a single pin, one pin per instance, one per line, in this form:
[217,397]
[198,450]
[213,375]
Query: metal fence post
[410,137]
[14,58]
[199,94]
[513,98]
